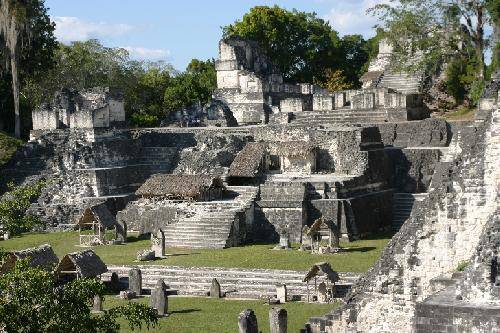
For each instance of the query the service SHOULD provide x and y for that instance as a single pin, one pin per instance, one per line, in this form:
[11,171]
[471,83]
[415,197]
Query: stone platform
[235,282]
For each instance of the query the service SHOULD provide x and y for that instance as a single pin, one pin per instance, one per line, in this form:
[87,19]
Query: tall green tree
[26,43]
[302,45]
[436,30]
[196,84]
[30,302]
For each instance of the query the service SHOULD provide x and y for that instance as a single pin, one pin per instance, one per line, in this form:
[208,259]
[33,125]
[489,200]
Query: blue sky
[177,31]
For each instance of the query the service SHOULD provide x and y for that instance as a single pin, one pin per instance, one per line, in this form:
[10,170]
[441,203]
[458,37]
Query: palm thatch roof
[42,256]
[316,226]
[98,213]
[83,264]
[178,186]
[322,269]
[370,76]
[291,148]
[248,160]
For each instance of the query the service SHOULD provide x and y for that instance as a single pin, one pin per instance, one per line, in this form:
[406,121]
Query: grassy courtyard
[357,256]
[197,314]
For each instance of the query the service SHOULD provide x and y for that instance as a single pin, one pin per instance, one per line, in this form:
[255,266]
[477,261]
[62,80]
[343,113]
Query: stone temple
[274,158]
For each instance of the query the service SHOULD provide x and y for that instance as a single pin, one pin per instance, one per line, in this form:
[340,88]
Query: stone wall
[443,231]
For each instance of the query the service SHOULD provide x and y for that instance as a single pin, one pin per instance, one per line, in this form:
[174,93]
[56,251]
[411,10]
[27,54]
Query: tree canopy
[428,34]
[299,43]
[27,43]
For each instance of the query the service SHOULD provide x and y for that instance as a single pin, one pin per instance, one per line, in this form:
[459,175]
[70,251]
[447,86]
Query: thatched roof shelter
[316,226]
[291,148]
[248,160]
[42,257]
[370,76]
[81,264]
[322,269]
[97,213]
[178,186]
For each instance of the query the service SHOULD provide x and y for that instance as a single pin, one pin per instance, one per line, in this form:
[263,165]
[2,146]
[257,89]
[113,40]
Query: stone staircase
[159,158]
[340,116]
[402,82]
[211,224]
[402,206]
[235,282]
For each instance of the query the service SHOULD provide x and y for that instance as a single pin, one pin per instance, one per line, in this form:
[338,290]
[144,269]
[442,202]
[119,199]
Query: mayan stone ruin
[284,164]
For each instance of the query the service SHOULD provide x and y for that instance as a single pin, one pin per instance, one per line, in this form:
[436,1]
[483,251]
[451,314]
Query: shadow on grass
[378,236]
[358,249]
[185,311]
[133,239]
[179,254]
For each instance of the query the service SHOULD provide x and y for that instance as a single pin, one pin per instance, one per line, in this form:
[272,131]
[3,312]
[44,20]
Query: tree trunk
[480,42]
[15,92]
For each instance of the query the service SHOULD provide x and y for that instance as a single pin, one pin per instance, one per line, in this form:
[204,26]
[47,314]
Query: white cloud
[145,53]
[70,29]
[351,17]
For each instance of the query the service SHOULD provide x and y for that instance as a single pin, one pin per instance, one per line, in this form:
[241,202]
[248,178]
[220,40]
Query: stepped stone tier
[383,74]
[364,161]
[440,272]
[235,282]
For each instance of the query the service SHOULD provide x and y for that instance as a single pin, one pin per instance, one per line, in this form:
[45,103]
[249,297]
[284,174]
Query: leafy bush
[462,266]
[15,203]
[30,302]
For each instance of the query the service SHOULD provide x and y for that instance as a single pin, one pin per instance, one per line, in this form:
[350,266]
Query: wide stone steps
[209,224]
[338,116]
[402,82]
[241,283]
[402,206]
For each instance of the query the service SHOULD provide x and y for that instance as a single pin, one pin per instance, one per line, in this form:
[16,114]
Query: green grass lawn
[207,315]
[461,113]
[357,256]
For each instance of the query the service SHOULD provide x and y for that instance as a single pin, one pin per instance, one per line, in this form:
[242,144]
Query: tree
[27,37]
[196,84]
[302,45]
[355,56]
[335,81]
[30,302]
[435,31]
[14,205]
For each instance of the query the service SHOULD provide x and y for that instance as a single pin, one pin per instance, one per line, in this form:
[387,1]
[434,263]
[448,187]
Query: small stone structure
[135,281]
[247,322]
[93,108]
[278,320]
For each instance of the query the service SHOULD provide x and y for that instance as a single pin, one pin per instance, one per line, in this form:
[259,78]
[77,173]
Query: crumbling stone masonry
[415,286]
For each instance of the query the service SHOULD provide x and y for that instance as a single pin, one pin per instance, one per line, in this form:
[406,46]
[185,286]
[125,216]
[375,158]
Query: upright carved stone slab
[278,320]
[281,293]
[247,322]
[97,306]
[158,243]
[121,232]
[135,280]
[159,298]
[215,290]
